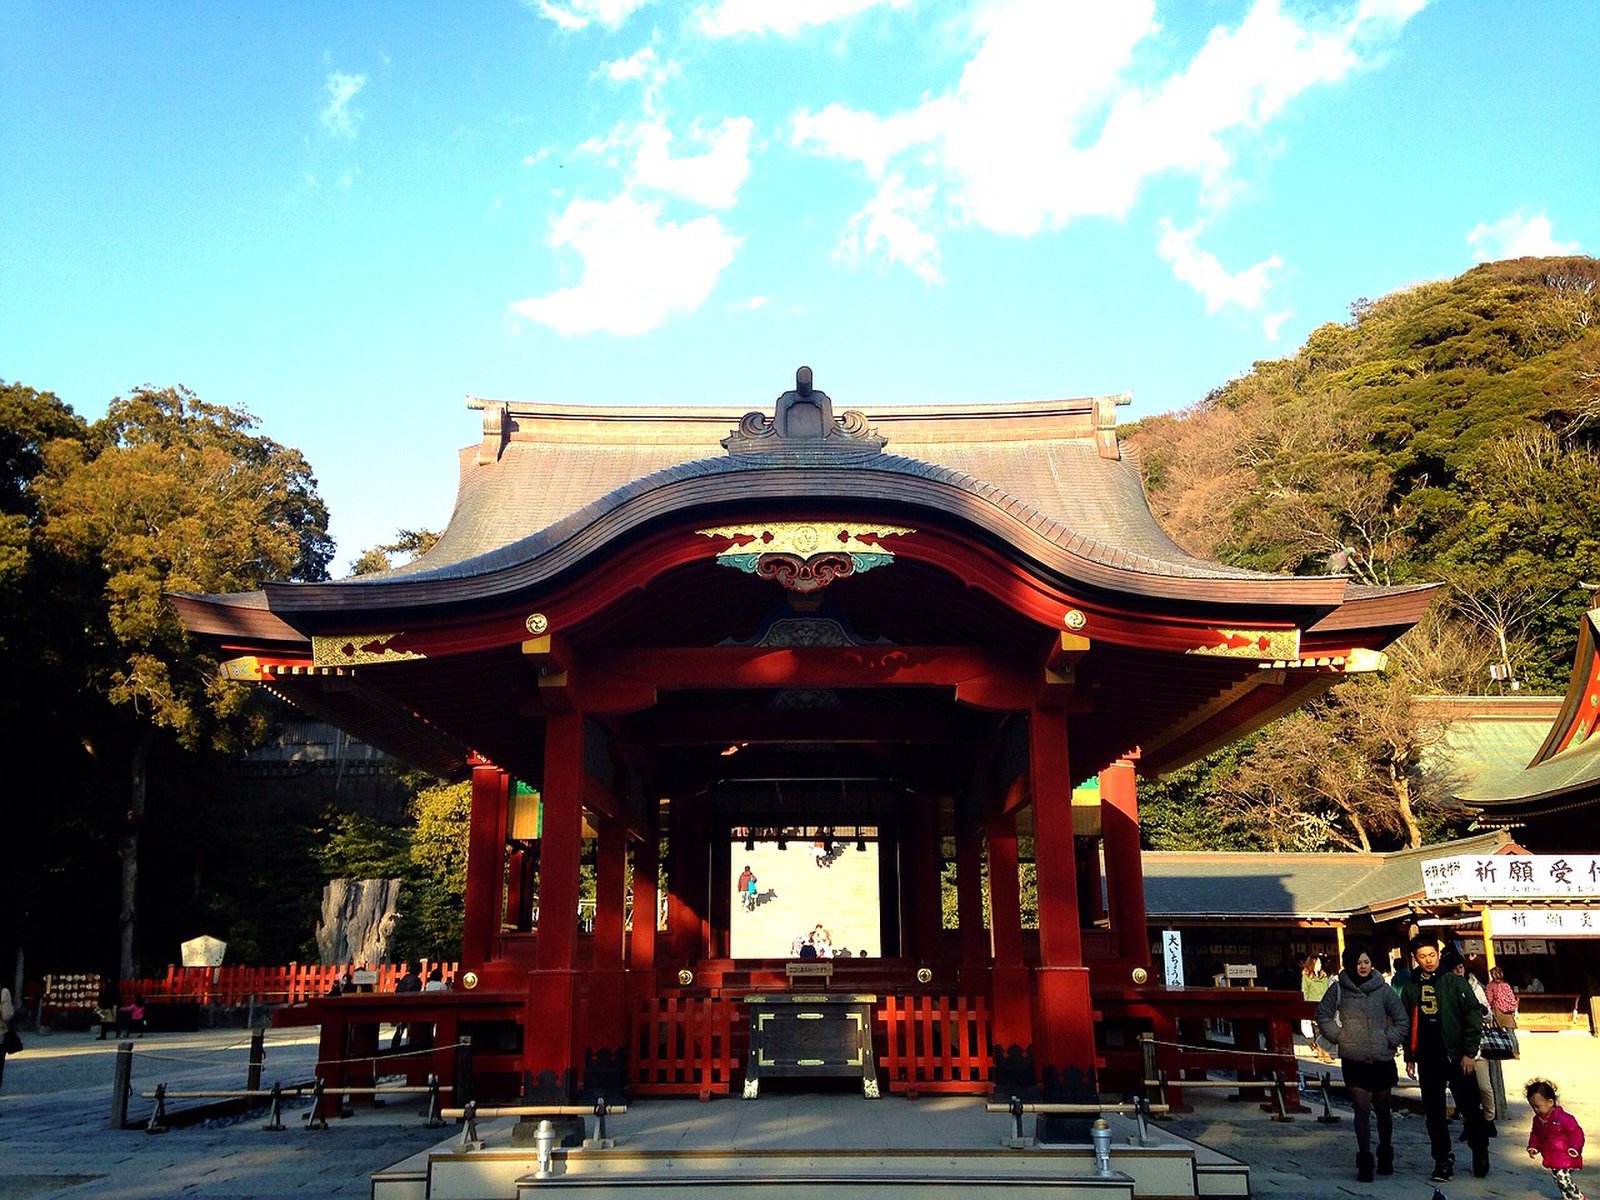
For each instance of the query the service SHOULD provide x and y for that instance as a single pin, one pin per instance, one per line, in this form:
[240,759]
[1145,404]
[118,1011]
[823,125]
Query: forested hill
[1447,431]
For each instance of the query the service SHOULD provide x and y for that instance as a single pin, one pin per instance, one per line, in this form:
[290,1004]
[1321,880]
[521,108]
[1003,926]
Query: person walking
[8,1037]
[1483,1068]
[1556,1138]
[1362,1016]
[1446,1028]
[1313,985]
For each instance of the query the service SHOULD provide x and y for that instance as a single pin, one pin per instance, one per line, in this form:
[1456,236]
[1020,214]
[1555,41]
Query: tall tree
[169,494]
[409,543]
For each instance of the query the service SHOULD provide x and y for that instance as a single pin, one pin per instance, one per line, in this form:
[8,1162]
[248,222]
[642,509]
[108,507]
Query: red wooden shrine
[677,623]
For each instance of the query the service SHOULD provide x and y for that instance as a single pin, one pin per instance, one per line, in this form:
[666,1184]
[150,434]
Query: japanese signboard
[1172,957]
[1544,922]
[1511,876]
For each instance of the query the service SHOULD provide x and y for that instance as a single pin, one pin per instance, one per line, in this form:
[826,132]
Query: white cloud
[750,304]
[1272,323]
[732,18]
[338,118]
[643,66]
[1057,115]
[639,271]
[1201,270]
[890,227]
[579,14]
[711,178]
[1516,235]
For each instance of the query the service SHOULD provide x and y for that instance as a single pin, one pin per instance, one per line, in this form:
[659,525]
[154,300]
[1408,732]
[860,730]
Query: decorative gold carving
[537,623]
[242,670]
[469,980]
[1074,619]
[804,556]
[1141,976]
[352,649]
[685,977]
[803,538]
[924,975]
[1252,643]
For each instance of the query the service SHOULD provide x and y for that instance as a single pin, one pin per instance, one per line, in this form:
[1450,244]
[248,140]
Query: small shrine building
[651,634]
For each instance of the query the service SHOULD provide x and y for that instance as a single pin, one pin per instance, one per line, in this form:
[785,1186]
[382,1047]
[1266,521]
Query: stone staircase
[668,1157]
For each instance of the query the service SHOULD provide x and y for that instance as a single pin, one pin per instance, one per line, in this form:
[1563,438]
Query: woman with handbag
[1502,999]
[1362,1016]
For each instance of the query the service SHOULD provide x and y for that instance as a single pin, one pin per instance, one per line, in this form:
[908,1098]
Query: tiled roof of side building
[1265,885]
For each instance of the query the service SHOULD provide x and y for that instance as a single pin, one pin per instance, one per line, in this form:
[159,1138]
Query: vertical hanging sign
[1172,957]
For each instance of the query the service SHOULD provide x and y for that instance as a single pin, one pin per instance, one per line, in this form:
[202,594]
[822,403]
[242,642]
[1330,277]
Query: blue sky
[345,218]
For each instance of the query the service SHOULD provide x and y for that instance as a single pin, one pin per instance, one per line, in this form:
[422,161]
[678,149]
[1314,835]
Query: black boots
[1364,1167]
[1385,1159]
[1480,1159]
[1444,1169]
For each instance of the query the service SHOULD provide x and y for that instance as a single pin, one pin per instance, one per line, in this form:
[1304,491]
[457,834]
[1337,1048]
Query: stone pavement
[56,1099]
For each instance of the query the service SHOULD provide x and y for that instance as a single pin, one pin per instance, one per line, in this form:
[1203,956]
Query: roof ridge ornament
[803,429]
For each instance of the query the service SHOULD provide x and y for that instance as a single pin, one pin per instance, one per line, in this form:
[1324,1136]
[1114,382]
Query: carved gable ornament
[803,429]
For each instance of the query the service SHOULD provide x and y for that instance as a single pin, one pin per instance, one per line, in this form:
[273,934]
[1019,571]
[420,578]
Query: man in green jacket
[1446,1025]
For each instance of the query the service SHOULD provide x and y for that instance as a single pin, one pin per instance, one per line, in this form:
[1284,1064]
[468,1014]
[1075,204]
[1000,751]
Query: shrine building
[653,636]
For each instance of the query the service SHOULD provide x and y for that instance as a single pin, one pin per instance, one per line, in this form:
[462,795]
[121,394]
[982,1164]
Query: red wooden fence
[262,985]
[935,1044]
[682,1046]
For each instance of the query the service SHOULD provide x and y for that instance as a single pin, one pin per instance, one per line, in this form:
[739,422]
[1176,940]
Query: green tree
[168,494]
[408,544]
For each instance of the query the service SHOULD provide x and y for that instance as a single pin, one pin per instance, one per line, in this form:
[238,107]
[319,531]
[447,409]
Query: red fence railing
[232,985]
[683,1046]
[935,1044]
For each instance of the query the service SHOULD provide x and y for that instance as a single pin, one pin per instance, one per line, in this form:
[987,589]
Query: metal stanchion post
[316,1118]
[1281,1113]
[434,1119]
[275,1114]
[1327,1117]
[159,1116]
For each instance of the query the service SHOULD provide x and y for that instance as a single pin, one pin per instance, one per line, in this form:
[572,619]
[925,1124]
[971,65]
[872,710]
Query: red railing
[682,1046]
[233,985]
[935,1044]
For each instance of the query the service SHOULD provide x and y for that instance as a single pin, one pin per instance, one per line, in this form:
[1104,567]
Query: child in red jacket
[1556,1136]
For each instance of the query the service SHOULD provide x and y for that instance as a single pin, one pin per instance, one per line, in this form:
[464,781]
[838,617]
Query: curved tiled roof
[550,483]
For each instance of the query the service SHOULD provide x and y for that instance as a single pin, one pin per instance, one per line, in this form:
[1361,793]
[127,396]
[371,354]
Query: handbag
[13,1043]
[1499,1042]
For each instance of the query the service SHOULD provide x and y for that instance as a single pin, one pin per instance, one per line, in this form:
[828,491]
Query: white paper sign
[1511,876]
[1172,957]
[1544,922]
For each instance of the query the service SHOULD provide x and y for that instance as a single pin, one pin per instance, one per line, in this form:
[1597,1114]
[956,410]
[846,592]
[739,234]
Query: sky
[345,219]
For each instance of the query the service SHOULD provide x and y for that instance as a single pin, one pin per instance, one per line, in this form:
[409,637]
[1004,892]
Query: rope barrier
[1210,1049]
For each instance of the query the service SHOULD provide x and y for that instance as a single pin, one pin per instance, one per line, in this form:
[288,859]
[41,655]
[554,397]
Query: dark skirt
[1369,1076]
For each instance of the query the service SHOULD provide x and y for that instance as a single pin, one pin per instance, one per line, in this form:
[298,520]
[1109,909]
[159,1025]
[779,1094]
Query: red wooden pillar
[974,974]
[687,882]
[1012,1022]
[719,893]
[919,889]
[891,845]
[551,1056]
[642,941]
[1064,1021]
[1119,826]
[605,1014]
[486,832]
